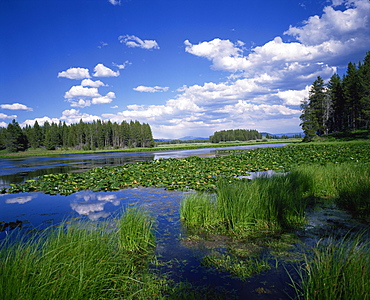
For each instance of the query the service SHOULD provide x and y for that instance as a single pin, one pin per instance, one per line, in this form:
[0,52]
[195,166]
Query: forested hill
[86,136]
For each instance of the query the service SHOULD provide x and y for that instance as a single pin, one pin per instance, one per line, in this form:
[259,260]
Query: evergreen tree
[309,122]
[352,95]
[335,86]
[318,104]
[364,74]
[15,138]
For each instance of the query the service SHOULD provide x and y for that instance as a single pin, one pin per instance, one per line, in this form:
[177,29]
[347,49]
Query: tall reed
[136,232]
[77,261]
[338,270]
[264,204]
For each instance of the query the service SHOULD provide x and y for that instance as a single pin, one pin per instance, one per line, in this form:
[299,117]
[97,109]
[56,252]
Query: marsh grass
[337,270]
[278,203]
[80,261]
[346,184]
[266,205]
[136,232]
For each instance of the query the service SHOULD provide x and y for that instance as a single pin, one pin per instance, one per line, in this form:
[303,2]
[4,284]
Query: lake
[36,211]
[17,170]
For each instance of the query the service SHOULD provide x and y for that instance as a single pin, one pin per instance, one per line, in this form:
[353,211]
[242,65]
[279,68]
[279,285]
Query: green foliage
[135,231]
[235,135]
[341,105]
[79,261]
[15,139]
[264,204]
[338,270]
[87,136]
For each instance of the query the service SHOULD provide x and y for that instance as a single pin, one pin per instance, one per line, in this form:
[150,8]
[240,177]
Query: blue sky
[185,67]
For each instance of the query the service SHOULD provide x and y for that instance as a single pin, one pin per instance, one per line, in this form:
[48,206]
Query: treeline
[234,135]
[85,136]
[340,105]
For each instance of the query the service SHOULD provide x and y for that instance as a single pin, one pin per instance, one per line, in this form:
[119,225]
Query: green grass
[265,205]
[82,261]
[337,270]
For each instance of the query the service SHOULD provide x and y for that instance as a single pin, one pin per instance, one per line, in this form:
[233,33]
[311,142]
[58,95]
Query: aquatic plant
[80,261]
[195,173]
[264,205]
[337,270]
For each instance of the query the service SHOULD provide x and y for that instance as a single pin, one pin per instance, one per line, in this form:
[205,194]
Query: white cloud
[115,2]
[80,103]
[73,116]
[293,97]
[75,73]
[3,124]
[92,83]
[335,24]
[4,116]
[40,121]
[104,99]
[80,91]
[149,89]
[133,42]
[121,66]
[103,71]
[15,106]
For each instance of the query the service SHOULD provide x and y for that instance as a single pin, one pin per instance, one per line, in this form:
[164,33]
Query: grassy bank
[108,260]
[278,203]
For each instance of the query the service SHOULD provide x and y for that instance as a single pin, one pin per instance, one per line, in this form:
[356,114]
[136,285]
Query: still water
[17,170]
[31,212]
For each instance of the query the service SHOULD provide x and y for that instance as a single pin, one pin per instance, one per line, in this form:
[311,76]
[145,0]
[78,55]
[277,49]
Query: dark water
[17,170]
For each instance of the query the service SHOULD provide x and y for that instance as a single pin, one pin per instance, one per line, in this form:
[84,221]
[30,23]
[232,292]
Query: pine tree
[364,74]
[318,104]
[15,138]
[309,122]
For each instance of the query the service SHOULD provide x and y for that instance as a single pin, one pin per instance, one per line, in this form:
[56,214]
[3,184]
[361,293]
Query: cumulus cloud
[40,121]
[80,91]
[293,97]
[335,24]
[15,106]
[104,99]
[73,116]
[149,89]
[92,83]
[75,73]
[5,116]
[135,42]
[103,71]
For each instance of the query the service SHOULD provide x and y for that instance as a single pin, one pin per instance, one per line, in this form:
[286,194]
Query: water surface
[17,170]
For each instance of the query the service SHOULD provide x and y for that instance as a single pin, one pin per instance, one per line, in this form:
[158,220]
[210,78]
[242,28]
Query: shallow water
[17,170]
[37,211]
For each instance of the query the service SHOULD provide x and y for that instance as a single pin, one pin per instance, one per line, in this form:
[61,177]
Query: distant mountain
[185,138]
[281,134]
[192,138]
